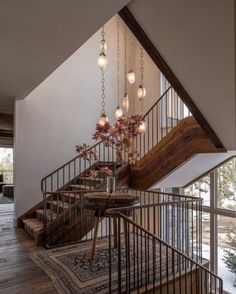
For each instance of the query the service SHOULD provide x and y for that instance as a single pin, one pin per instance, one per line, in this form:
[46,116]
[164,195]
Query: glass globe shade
[131,77]
[142,128]
[118,112]
[103,119]
[141,92]
[102,60]
[125,102]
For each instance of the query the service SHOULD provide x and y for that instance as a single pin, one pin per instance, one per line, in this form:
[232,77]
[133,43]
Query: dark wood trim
[147,44]
[207,172]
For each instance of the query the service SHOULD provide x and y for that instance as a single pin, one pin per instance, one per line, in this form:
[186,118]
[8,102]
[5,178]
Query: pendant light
[141,92]
[125,100]
[103,118]
[102,58]
[131,74]
[118,112]
[143,126]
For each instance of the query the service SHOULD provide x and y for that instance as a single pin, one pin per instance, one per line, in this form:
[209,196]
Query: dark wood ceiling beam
[149,47]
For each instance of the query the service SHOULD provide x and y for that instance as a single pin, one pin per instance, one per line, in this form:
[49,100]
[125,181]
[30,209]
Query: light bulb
[103,119]
[141,92]
[103,46]
[118,112]
[131,77]
[125,102]
[142,128]
[102,60]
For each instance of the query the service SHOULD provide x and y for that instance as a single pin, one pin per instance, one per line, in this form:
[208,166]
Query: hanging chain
[118,58]
[103,39]
[103,91]
[125,59]
[131,48]
[141,66]
[103,72]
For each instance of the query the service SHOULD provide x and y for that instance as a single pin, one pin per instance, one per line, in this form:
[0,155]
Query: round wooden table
[99,202]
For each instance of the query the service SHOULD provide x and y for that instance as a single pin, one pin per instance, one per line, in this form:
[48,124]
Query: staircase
[60,202]
[173,136]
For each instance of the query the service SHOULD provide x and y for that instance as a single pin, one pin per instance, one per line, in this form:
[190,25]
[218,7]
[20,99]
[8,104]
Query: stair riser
[41,217]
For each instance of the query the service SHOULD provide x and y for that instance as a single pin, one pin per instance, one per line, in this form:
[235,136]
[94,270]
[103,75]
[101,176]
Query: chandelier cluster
[129,76]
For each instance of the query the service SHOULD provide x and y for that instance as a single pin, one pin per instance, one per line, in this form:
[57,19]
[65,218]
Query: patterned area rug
[72,271]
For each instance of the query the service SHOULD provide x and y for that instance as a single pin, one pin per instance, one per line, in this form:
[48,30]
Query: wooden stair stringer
[184,141]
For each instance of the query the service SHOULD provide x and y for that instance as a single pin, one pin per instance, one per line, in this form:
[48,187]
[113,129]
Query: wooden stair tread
[59,203]
[34,225]
[49,213]
[92,179]
[73,195]
[81,187]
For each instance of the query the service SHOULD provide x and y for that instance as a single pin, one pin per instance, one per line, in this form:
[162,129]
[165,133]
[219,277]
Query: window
[206,235]
[226,250]
[218,190]
[6,165]
[226,185]
[200,188]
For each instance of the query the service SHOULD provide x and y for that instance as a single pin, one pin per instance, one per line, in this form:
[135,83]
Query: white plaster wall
[151,81]
[60,113]
[197,40]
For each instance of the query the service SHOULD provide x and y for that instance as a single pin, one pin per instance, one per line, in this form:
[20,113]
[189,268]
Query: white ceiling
[37,36]
[193,169]
[197,40]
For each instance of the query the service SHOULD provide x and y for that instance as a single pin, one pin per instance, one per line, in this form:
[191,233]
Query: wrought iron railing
[174,218]
[153,257]
[161,118]
[69,172]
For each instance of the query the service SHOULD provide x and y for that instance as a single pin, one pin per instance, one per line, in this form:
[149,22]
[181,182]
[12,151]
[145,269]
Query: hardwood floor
[18,273]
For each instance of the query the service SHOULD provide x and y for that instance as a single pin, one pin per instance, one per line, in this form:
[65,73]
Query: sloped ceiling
[37,36]
[197,40]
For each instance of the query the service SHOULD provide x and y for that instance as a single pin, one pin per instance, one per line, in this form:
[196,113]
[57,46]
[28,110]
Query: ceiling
[193,169]
[38,36]
[196,38]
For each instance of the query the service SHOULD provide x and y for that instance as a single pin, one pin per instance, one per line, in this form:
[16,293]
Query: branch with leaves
[121,137]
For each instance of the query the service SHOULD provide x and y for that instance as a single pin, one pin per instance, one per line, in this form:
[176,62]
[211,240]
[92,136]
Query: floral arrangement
[120,137]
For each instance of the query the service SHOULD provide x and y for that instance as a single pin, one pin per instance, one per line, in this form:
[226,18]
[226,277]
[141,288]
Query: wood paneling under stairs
[184,141]
[18,273]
